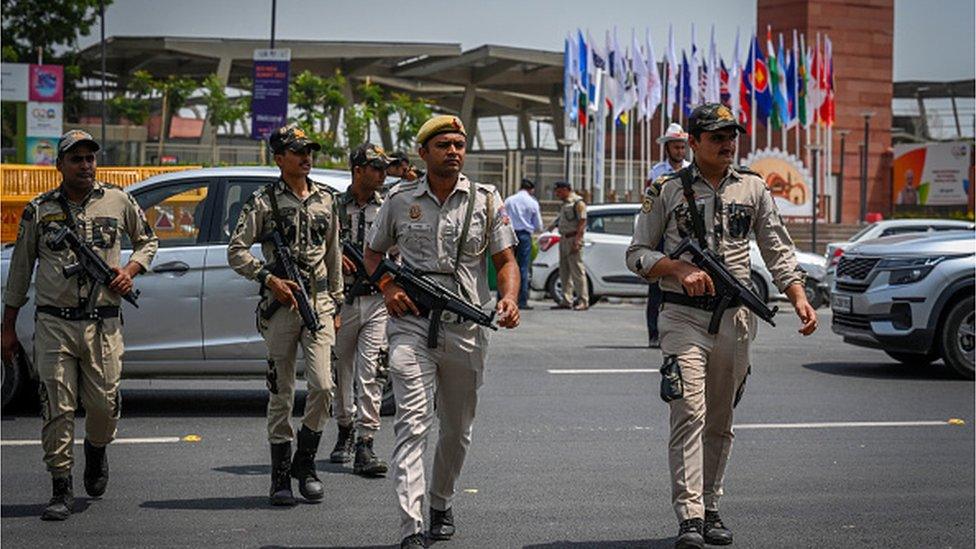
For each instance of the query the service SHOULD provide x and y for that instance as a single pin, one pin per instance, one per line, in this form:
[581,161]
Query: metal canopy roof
[914,89]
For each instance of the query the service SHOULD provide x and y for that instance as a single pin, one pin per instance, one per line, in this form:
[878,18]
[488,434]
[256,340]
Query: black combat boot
[62,501]
[441,524]
[690,535]
[280,474]
[367,464]
[415,541]
[342,453]
[303,466]
[96,469]
[716,533]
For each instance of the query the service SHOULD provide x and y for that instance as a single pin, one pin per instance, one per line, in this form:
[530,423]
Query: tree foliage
[135,104]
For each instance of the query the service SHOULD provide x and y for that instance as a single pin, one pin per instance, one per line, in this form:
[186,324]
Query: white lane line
[144,440]
[848,424]
[604,371]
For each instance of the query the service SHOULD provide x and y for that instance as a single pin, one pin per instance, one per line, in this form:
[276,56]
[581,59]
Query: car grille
[851,287]
[851,320]
[856,268]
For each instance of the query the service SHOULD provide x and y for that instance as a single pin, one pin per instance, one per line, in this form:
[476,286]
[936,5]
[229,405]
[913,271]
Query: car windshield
[861,233]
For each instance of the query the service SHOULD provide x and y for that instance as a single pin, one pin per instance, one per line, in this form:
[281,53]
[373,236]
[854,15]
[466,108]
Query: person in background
[523,211]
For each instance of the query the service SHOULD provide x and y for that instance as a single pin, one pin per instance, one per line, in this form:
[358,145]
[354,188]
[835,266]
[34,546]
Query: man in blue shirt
[523,210]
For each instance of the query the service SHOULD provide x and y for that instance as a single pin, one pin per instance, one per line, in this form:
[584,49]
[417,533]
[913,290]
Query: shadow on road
[890,370]
[265,469]
[617,347]
[215,504]
[35,509]
[329,547]
[660,543]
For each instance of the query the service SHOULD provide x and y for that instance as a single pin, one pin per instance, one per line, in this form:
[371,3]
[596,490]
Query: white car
[890,227]
[609,229]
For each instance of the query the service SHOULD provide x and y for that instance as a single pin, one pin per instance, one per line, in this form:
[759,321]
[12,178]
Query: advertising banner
[44,119]
[14,82]
[46,83]
[931,174]
[787,178]
[269,99]
[42,150]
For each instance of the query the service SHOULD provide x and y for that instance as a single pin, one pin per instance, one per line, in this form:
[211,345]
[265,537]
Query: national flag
[723,87]
[671,62]
[654,85]
[584,77]
[827,84]
[778,117]
[735,79]
[639,70]
[791,88]
[801,83]
[686,87]
[694,69]
[570,70]
[713,91]
[746,87]
[597,66]
[783,84]
[761,84]
[610,82]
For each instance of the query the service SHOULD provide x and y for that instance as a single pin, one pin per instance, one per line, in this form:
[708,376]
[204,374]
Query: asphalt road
[558,460]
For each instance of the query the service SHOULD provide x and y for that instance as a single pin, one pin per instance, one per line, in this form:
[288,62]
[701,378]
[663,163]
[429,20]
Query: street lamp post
[864,165]
[101,16]
[840,178]
[815,160]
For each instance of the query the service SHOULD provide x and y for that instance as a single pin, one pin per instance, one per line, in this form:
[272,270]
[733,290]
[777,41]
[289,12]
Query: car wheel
[814,295]
[15,382]
[554,287]
[958,345]
[759,285]
[912,359]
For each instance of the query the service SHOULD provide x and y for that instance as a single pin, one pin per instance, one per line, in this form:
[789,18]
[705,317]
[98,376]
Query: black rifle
[285,264]
[362,285]
[729,291]
[432,298]
[89,263]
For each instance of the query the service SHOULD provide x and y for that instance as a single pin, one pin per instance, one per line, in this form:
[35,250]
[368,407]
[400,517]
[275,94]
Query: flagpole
[664,105]
[752,95]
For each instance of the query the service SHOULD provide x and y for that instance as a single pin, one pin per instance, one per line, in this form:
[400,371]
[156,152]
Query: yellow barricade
[20,183]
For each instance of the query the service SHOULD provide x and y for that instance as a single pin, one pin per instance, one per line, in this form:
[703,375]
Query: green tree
[174,92]
[319,100]
[222,110]
[411,114]
[135,103]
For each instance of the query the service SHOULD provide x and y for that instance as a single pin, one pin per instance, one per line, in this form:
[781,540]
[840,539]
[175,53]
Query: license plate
[840,303]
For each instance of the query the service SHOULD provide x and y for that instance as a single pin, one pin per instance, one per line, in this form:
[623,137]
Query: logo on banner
[787,179]
[46,83]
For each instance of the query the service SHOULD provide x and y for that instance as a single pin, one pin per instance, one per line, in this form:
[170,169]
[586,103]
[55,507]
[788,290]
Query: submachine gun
[90,264]
[729,291]
[362,285]
[432,298]
[285,264]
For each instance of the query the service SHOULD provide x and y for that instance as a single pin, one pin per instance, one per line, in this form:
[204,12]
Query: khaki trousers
[77,358]
[572,274]
[361,337]
[282,333]
[713,367]
[451,373]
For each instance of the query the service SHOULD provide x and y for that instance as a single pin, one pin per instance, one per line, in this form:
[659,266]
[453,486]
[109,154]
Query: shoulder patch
[29,211]
[45,196]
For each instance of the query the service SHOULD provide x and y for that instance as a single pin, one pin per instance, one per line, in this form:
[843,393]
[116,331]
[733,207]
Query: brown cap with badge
[711,117]
[371,154]
[73,138]
[437,125]
[291,138]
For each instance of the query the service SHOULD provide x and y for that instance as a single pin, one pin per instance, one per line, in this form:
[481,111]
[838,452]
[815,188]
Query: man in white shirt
[523,210]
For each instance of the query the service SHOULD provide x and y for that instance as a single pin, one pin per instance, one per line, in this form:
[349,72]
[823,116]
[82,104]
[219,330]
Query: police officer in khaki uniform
[733,203]
[571,222]
[78,326]
[362,337]
[435,231]
[304,214]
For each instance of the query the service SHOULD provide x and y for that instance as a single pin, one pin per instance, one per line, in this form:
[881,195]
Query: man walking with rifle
[362,337]
[445,227]
[301,292]
[709,208]
[76,231]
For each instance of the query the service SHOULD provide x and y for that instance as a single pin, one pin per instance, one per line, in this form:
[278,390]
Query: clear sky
[934,39]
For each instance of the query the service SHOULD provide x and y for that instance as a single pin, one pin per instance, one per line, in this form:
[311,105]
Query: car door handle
[177,267]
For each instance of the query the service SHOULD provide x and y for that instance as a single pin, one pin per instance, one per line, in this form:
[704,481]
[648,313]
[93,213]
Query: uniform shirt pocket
[475,240]
[738,220]
[418,240]
[105,232]
[320,228]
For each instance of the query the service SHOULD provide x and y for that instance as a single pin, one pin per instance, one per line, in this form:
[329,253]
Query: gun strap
[279,226]
[468,214]
[697,221]
[69,219]
[434,327]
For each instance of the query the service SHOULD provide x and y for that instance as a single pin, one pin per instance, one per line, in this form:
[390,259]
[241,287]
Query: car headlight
[906,270]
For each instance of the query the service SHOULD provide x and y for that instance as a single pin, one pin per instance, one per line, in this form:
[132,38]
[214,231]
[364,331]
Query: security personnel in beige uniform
[77,343]
[733,202]
[572,227]
[362,336]
[436,232]
[304,213]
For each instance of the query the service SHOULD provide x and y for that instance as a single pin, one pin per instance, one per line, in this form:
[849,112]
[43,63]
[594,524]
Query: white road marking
[843,424]
[145,440]
[604,371]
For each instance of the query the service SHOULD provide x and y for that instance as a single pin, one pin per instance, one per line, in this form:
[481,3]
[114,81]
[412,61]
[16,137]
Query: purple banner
[269,99]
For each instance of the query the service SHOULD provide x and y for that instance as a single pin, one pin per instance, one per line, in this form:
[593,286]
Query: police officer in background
[732,202]
[362,336]
[675,142]
[571,222]
[446,226]
[78,326]
[303,212]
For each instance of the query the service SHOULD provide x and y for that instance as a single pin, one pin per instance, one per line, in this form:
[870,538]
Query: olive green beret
[444,123]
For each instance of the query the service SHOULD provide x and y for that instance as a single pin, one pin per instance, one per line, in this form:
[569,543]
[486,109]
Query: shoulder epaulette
[110,186]
[45,196]
[745,170]
[326,188]
[402,186]
[485,187]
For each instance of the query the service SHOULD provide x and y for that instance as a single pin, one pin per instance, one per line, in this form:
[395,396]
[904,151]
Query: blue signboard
[269,99]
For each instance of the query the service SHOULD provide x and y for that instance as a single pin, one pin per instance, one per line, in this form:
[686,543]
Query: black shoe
[690,535]
[96,469]
[526,307]
[416,541]
[303,464]
[654,341]
[281,493]
[441,524]
[715,532]
[342,453]
[367,464]
[62,501]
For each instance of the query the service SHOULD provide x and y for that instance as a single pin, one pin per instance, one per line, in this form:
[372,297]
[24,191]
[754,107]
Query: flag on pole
[671,59]
[761,85]
[723,92]
[827,84]
[654,86]
[694,70]
[815,94]
[781,85]
[639,69]
[746,91]
[584,78]
[734,80]
[686,102]
[777,118]
[713,81]
[801,83]
[570,71]
[791,89]
[597,65]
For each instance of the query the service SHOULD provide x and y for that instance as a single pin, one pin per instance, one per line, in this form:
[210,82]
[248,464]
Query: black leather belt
[361,290]
[704,302]
[79,313]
